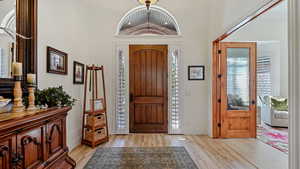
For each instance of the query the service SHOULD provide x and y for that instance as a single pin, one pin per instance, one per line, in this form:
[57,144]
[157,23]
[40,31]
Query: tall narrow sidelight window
[175,118]
[121,105]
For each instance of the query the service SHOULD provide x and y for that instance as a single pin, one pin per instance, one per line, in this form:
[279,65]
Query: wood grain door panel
[30,148]
[55,139]
[238,90]
[148,88]
[7,152]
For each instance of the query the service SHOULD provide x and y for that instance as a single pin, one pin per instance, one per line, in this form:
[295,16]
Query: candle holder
[18,101]
[31,97]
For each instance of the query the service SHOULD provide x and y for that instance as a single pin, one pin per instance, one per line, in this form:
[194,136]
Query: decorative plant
[53,96]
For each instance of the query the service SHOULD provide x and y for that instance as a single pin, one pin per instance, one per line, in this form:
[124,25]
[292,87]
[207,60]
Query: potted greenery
[52,97]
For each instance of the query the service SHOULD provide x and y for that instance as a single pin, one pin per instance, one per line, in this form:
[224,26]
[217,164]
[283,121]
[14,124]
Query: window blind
[264,80]
[121,106]
[175,118]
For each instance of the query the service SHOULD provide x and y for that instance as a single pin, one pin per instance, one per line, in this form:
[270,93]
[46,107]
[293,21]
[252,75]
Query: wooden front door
[148,88]
[238,90]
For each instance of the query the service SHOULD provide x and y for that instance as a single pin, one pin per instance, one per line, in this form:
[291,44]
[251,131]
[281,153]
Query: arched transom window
[155,21]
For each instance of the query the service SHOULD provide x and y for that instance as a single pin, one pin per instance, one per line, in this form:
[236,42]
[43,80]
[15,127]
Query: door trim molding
[294,84]
[216,83]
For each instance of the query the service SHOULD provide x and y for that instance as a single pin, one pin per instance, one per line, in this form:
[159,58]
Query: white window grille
[121,105]
[175,115]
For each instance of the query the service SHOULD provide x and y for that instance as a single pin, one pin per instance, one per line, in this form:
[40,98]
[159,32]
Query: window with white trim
[264,80]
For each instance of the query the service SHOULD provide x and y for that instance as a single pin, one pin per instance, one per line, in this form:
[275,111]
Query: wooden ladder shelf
[94,121]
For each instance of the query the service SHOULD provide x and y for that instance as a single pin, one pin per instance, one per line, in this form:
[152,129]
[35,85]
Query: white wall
[60,26]
[227,13]
[85,29]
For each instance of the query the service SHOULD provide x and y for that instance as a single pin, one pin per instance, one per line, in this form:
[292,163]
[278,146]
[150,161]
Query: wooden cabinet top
[13,120]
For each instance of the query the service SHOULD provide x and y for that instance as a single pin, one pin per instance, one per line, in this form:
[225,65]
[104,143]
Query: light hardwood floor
[206,152]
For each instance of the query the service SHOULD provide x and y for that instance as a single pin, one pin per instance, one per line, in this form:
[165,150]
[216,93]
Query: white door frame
[294,84]
[124,45]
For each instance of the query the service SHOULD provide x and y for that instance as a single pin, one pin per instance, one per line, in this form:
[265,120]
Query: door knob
[131,97]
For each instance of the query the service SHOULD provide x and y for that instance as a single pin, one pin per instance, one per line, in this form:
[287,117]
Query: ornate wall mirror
[17,40]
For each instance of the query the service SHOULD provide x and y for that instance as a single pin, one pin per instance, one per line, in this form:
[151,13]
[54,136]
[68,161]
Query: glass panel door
[238,97]
[238,89]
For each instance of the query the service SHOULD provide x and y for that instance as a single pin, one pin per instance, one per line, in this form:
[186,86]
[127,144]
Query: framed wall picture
[78,73]
[97,105]
[196,72]
[57,61]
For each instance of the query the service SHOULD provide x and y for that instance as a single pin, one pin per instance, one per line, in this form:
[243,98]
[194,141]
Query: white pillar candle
[31,78]
[17,69]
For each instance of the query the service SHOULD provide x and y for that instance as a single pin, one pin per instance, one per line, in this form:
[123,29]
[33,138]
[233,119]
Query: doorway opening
[151,28]
[173,81]
[267,30]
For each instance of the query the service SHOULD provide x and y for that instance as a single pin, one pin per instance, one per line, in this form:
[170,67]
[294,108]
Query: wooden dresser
[34,140]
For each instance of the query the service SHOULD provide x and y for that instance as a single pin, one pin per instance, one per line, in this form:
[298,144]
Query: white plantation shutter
[175,115]
[264,80]
[121,100]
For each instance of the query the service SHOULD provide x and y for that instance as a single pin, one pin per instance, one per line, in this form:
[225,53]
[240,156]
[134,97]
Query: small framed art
[57,61]
[196,72]
[78,73]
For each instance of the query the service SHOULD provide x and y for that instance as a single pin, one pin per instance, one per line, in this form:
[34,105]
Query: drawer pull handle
[21,157]
[15,159]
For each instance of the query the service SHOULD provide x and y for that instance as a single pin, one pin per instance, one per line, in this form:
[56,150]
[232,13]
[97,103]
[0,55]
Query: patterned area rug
[275,137]
[141,158]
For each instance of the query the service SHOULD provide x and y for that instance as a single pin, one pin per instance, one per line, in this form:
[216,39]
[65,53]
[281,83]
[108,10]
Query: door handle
[131,97]
[253,102]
